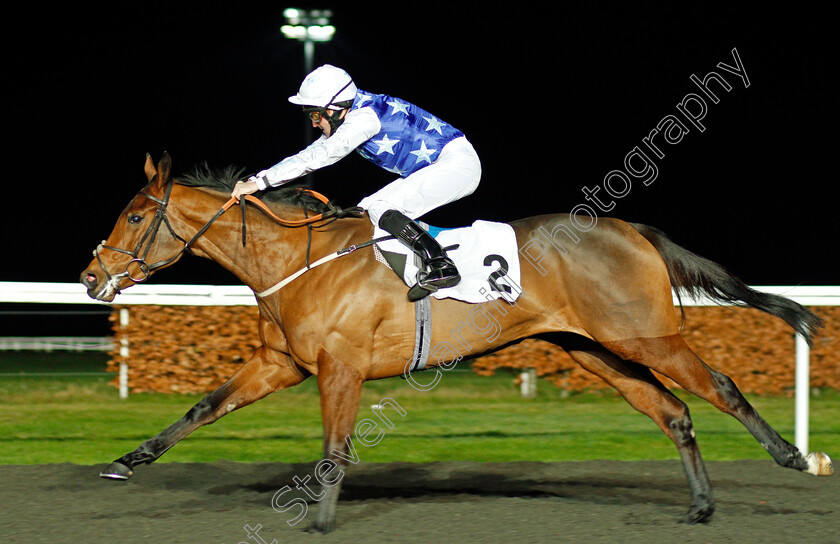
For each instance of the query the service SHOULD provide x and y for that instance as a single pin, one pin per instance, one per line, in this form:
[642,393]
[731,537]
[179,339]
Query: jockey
[435,162]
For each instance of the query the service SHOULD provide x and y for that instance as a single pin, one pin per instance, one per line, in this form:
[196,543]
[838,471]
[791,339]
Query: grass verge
[80,419]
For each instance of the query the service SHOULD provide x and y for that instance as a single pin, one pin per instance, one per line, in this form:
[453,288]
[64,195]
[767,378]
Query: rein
[340,253]
[161,217]
[333,212]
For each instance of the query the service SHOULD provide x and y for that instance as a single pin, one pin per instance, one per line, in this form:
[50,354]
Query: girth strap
[422,334]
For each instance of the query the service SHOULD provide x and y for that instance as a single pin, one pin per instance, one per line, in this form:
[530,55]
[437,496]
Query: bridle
[140,253]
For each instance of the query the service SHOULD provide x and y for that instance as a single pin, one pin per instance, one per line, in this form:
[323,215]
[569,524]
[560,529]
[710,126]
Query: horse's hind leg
[672,357]
[647,394]
[265,372]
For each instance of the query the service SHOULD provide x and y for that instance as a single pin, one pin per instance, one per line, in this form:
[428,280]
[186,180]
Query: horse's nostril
[89,280]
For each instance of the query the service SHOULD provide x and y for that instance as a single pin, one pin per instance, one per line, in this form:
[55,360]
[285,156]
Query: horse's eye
[134,219]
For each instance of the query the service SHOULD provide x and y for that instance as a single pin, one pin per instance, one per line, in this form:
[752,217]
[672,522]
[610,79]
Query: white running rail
[239,295]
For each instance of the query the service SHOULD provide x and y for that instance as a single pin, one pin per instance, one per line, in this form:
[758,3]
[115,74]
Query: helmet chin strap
[333,119]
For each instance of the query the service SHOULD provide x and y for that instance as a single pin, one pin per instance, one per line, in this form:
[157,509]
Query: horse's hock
[193,349]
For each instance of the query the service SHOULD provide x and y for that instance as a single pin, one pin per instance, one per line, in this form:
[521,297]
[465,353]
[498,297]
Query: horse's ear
[149,168]
[164,168]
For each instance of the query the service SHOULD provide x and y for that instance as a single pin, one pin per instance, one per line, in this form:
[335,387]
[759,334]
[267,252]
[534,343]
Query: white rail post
[124,354]
[803,386]
[528,384]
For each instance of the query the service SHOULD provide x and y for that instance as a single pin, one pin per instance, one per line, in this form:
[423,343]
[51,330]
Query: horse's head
[136,247]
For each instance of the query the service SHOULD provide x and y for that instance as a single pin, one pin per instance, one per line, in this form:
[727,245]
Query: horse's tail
[696,275]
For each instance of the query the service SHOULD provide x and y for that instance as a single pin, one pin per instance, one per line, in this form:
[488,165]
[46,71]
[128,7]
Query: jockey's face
[320,121]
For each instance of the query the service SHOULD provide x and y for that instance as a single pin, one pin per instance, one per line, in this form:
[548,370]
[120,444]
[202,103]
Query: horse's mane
[224,179]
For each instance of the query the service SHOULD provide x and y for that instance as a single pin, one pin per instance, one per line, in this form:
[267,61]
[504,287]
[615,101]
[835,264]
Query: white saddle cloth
[487,258]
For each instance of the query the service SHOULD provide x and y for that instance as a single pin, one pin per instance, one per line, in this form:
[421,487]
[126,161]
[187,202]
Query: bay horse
[606,299]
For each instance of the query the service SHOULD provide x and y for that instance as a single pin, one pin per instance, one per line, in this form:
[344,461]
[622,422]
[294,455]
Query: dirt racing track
[591,502]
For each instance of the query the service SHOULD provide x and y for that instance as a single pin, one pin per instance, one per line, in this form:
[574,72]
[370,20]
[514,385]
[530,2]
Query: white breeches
[455,174]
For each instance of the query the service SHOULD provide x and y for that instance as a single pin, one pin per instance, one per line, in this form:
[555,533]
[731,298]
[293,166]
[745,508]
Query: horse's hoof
[116,471]
[698,514]
[819,464]
[322,528]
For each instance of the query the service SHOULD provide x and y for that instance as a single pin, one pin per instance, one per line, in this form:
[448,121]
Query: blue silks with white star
[410,137]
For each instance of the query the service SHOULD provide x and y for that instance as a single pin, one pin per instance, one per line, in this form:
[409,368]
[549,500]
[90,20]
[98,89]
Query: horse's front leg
[265,372]
[340,387]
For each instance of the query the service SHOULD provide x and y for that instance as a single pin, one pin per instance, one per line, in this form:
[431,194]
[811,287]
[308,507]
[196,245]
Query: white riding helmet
[324,87]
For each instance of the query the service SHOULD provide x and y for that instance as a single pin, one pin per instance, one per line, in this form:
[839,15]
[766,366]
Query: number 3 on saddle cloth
[485,253]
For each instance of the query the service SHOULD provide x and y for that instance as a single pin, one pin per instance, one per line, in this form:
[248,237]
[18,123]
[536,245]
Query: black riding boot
[438,270]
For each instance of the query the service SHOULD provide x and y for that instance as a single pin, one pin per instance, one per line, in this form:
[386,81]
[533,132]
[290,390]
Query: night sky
[552,100]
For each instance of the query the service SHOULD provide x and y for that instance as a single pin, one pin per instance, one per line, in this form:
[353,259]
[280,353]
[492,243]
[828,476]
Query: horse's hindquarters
[607,283]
